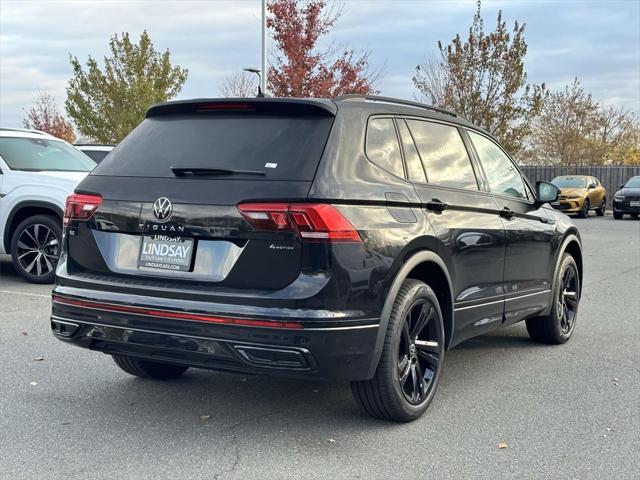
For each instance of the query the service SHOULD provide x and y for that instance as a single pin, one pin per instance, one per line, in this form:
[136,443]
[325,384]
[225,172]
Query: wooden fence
[611,176]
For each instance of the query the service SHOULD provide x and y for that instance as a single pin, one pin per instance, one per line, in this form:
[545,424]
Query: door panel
[528,230]
[528,260]
[469,232]
[471,241]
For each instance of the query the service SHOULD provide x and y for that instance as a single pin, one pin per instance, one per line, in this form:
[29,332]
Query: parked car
[351,239]
[580,194]
[37,173]
[627,199]
[95,151]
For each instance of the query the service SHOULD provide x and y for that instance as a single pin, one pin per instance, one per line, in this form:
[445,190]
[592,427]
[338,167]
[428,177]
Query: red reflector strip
[223,106]
[198,317]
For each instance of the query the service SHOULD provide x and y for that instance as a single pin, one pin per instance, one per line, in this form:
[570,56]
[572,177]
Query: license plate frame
[165,253]
[634,203]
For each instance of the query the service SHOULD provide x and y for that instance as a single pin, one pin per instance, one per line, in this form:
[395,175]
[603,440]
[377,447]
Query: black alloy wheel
[418,351]
[567,299]
[559,325]
[406,378]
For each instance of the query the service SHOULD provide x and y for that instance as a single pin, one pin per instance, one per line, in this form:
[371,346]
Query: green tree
[107,104]
[483,78]
[574,129]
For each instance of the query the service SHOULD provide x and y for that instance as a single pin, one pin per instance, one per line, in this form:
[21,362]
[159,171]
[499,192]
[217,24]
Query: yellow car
[580,194]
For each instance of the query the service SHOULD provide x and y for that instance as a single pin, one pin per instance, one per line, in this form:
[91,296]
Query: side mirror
[621,186]
[592,185]
[546,193]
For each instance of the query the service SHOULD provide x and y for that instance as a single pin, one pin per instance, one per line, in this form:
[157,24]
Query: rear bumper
[304,346]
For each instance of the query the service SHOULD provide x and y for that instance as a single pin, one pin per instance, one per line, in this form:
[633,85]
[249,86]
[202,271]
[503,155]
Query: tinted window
[382,145]
[38,154]
[443,154]
[284,147]
[411,157]
[502,175]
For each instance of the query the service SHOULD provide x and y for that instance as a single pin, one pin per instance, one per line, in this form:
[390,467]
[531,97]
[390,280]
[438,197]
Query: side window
[502,175]
[443,154]
[411,157]
[382,146]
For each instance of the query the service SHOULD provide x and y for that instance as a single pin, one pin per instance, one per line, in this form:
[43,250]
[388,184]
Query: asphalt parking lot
[570,411]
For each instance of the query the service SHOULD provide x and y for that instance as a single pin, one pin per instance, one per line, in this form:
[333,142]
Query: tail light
[80,207]
[312,221]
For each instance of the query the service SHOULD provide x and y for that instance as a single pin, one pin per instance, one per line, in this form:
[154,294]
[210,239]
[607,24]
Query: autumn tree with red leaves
[44,116]
[300,68]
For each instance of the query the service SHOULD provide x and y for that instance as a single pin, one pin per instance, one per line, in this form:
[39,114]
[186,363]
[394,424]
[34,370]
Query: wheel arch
[572,245]
[24,210]
[427,266]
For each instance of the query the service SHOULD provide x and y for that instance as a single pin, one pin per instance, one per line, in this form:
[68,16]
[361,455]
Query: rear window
[382,146]
[284,147]
[42,154]
[443,154]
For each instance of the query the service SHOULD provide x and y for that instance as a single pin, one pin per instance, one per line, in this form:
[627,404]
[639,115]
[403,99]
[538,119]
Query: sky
[596,41]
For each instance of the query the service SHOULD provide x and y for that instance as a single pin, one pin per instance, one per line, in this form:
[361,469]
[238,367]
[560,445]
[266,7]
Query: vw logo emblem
[162,209]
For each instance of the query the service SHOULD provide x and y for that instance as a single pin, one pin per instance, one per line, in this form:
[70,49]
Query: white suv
[37,173]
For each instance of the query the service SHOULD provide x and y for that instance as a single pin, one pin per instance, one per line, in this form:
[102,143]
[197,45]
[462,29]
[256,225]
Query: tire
[617,215]
[398,391]
[147,369]
[584,213]
[603,207]
[35,248]
[558,326]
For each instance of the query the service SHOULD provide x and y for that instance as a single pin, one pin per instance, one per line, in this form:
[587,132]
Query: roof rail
[25,130]
[376,98]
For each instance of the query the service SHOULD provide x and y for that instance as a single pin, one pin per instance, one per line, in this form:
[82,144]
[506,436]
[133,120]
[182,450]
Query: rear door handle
[436,205]
[507,213]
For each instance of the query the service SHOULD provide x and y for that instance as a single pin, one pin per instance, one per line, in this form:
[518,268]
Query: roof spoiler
[278,106]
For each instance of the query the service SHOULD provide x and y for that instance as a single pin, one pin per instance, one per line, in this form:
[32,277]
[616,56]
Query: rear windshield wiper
[203,171]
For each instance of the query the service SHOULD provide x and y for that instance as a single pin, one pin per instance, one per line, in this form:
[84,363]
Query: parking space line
[26,293]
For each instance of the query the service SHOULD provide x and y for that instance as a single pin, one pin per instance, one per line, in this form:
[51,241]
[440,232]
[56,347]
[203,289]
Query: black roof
[314,106]
[282,105]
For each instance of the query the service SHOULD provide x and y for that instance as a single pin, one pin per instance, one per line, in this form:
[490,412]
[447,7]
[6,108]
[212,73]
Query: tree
[574,129]
[240,85]
[107,104]
[300,68]
[44,116]
[483,79]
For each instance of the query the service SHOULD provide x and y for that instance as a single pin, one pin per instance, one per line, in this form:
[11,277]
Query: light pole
[263,74]
[260,77]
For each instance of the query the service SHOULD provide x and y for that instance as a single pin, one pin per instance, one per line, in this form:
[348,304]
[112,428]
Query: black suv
[353,239]
[627,199]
